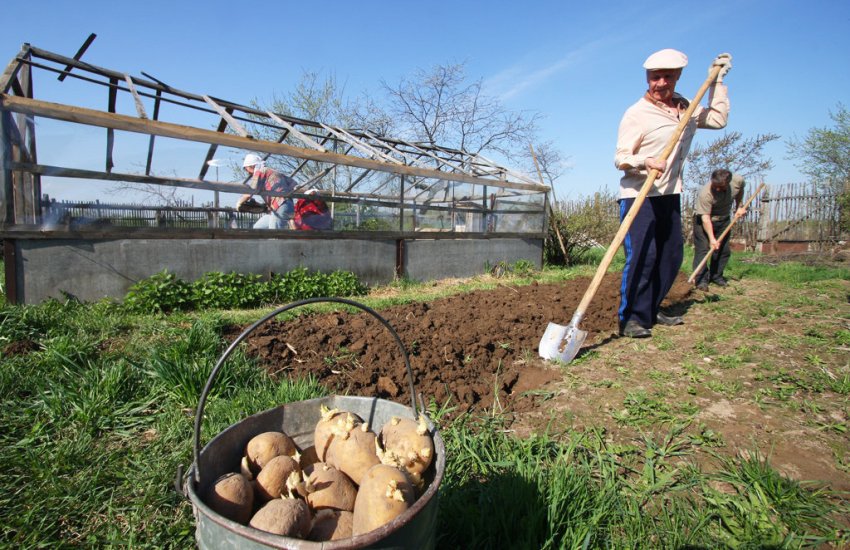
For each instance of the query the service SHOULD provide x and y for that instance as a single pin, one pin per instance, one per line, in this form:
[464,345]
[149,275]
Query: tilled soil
[472,352]
[753,368]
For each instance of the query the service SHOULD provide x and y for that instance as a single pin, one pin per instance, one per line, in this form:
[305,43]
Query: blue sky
[576,63]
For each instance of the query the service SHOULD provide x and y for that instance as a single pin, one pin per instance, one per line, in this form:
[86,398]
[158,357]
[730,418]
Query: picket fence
[796,212]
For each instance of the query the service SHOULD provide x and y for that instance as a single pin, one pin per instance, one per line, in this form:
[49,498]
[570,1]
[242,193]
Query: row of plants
[164,291]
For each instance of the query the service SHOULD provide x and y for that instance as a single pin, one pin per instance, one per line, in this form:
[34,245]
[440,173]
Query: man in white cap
[280,209]
[654,246]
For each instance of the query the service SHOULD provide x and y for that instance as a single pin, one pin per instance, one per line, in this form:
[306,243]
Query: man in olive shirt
[711,218]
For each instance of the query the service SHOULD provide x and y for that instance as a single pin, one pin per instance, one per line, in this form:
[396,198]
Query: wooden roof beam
[132,124]
[306,140]
[78,55]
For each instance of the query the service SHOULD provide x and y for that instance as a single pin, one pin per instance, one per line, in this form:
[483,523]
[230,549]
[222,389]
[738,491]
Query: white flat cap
[665,59]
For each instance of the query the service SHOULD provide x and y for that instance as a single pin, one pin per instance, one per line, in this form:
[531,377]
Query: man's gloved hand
[724,61]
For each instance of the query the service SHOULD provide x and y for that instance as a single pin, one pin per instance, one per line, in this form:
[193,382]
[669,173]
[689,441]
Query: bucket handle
[199,415]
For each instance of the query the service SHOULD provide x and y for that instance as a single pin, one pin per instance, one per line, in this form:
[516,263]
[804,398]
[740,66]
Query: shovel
[722,236]
[563,342]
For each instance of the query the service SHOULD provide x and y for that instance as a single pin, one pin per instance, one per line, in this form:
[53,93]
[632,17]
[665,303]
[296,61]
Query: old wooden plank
[359,144]
[7,214]
[36,232]
[222,124]
[10,73]
[238,128]
[140,107]
[341,197]
[110,132]
[297,133]
[156,104]
[132,124]
[77,56]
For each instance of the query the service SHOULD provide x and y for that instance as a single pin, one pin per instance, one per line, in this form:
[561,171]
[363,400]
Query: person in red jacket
[312,213]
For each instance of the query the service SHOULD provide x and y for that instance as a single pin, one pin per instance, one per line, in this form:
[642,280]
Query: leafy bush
[583,225]
[162,292]
[297,284]
[343,283]
[165,292]
[229,291]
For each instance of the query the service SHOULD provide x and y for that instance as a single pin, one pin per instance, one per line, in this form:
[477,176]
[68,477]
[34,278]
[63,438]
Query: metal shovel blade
[561,342]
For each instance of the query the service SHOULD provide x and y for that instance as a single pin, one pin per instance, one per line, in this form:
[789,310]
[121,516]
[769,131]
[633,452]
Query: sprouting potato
[307,459]
[272,479]
[331,525]
[314,494]
[334,423]
[407,444]
[289,517]
[265,446]
[355,454]
[384,494]
[245,469]
[327,487]
[233,497]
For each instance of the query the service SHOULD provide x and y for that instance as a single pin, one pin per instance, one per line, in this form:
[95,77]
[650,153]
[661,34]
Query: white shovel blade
[561,342]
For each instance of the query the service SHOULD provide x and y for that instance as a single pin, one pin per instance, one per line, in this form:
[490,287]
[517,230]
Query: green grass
[98,419]
[743,265]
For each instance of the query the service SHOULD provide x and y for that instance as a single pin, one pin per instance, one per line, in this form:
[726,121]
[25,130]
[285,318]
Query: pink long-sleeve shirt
[645,130]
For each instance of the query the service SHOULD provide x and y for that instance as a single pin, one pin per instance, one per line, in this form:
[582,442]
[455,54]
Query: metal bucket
[415,528]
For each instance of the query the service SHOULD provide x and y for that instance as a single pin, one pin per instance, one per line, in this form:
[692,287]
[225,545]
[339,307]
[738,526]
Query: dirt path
[745,372]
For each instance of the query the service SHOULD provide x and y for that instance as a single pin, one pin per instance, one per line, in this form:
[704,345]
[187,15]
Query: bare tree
[824,155]
[546,159]
[151,193]
[321,99]
[730,151]
[440,107]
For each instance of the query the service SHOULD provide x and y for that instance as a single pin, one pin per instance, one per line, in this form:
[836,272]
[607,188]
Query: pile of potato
[351,481]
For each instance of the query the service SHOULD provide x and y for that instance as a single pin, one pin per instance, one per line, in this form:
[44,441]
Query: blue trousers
[654,251]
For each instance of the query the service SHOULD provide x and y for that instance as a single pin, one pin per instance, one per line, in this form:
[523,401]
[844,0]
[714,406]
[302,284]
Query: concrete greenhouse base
[93,269]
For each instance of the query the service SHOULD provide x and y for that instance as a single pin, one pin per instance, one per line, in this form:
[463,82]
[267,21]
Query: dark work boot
[669,320]
[720,281]
[633,330]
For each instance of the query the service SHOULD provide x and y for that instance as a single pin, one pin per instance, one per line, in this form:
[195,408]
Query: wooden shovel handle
[644,191]
[722,236]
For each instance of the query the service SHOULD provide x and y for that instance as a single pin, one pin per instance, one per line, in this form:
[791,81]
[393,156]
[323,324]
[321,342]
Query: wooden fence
[802,213]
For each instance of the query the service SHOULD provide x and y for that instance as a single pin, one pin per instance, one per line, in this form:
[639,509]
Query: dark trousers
[654,250]
[719,258]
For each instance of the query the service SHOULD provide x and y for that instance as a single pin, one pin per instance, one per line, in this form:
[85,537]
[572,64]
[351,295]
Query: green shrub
[584,225]
[162,292]
[296,284]
[343,283]
[229,291]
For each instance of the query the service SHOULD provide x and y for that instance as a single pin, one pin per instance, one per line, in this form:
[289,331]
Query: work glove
[724,61]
